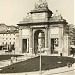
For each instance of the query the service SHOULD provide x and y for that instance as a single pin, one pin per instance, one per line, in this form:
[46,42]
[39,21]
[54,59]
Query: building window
[14,38]
[3,43]
[10,38]
[10,43]
[6,43]
[14,43]
[6,38]
[56,42]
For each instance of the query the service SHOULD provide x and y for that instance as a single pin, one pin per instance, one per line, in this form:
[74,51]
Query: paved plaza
[59,71]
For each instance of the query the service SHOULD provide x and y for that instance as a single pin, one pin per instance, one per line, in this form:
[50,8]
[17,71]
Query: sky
[13,11]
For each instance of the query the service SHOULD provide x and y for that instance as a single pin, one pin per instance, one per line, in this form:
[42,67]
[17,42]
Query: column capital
[20,28]
[60,26]
[46,27]
[31,28]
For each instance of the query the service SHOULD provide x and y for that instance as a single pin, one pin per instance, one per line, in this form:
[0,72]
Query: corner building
[42,30]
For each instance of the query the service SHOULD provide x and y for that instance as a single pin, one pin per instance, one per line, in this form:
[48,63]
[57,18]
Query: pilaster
[46,37]
[49,42]
[61,40]
[66,51]
[31,41]
[20,40]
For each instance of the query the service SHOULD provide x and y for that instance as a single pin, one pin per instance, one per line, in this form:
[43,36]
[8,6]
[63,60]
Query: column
[46,38]
[31,41]
[46,41]
[49,42]
[61,40]
[20,40]
[28,45]
[66,51]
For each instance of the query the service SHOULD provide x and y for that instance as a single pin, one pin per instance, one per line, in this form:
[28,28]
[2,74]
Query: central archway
[39,40]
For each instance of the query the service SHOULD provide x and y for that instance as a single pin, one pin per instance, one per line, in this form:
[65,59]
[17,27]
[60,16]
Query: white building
[8,37]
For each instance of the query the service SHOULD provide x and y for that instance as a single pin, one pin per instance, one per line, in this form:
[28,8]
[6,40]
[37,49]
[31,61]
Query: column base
[65,54]
[30,51]
[48,52]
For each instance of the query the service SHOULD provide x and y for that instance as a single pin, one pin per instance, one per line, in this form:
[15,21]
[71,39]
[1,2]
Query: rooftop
[42,7]
[4,29]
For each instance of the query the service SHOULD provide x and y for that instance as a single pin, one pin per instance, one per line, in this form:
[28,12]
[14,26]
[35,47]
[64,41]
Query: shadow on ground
[30,65]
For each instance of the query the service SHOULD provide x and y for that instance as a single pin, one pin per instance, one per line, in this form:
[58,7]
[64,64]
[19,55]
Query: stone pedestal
[30,50]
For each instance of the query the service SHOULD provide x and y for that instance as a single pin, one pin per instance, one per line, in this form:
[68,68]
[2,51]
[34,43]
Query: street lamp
[40,60]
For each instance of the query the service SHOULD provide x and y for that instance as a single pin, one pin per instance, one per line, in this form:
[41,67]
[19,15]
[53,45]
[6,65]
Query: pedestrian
[69,64]
[61,54]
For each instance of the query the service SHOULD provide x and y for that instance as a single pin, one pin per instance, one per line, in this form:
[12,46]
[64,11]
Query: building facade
[8,37]
[43,30]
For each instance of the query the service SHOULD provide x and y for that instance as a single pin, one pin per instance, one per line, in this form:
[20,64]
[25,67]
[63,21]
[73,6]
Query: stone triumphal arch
[40,29]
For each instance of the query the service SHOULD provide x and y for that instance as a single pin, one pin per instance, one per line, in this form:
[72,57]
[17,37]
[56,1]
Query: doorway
[24,45]
[52,46]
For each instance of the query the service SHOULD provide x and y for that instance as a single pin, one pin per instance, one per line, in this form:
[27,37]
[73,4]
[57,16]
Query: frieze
[39,26]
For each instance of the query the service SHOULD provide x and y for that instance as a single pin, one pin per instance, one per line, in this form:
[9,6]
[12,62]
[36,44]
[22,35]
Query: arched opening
[39,40]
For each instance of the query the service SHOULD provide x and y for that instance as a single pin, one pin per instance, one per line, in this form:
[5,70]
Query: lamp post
[40,60]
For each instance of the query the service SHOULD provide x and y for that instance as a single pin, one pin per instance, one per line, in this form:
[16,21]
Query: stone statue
[41,4]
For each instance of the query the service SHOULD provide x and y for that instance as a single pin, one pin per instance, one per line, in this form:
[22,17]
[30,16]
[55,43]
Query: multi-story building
[8,37]
[72,34]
